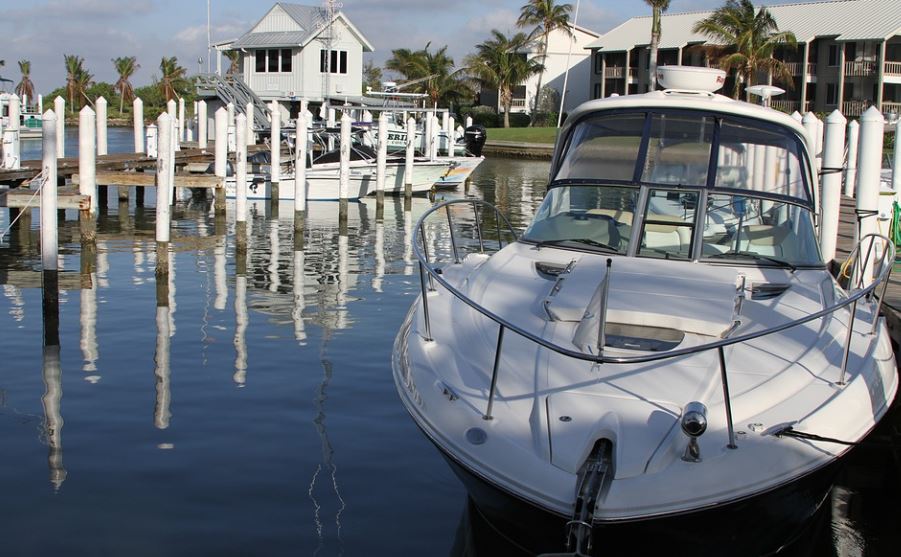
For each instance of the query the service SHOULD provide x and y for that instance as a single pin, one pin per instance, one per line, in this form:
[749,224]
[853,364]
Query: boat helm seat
[765,239]
[667,237]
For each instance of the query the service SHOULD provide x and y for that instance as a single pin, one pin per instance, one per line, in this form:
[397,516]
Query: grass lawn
[524,135]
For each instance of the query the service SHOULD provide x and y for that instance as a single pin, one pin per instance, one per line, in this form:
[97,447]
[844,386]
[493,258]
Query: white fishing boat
[662,358]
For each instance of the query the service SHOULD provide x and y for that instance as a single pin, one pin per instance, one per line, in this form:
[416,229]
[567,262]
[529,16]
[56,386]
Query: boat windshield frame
[710,184]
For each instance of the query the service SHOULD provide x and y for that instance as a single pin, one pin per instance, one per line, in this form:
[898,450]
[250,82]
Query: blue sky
[43,30]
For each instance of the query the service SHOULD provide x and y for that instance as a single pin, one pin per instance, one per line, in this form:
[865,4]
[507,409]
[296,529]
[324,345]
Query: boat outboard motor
[475,137]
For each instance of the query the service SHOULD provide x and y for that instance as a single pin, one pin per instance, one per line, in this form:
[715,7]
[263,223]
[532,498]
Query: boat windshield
[673,223]
[686,148]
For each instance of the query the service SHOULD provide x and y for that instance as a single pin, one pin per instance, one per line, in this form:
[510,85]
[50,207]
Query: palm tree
[25,88]
[746,40]
[434,71]
[78,80]
[499,64]
[657,7]
[233,56]
[125,67]
[546,16]
[173,77]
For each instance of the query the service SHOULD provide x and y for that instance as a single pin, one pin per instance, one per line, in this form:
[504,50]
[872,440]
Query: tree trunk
[652,60]
[507,113]
[538,89]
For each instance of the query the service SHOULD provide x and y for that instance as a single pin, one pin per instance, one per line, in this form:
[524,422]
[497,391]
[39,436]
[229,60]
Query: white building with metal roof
[301,52]
[848,55]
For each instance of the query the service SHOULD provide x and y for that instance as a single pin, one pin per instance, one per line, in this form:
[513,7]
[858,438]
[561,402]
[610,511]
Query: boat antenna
[566,74]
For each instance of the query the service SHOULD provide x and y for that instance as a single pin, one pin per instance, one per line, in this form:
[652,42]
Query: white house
[564,50]
[301,52]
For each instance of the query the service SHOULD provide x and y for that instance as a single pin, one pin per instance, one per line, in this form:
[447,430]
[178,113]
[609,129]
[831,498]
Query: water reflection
[304,314]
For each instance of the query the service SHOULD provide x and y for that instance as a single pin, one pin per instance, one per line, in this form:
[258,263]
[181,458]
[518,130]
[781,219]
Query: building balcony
[891,107]
[892,69]
[789,106]
[614,72]
[855,108]
[860,69]
[518,103]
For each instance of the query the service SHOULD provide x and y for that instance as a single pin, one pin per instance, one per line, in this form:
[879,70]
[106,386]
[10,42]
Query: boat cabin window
[589,218]
[604,147]
[739,227]
[758,159]
[679,149]
[668,224]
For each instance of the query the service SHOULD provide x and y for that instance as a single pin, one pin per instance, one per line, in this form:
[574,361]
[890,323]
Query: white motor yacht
[662,358]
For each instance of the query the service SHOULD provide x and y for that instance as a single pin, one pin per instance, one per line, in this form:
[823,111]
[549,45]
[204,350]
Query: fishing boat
[662,357]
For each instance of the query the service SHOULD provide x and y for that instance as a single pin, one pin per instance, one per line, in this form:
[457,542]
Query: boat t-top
[662,358]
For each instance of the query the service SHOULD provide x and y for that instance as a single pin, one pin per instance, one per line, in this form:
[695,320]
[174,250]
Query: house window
[333,61]
[833,55]
[831,93]
[273,61]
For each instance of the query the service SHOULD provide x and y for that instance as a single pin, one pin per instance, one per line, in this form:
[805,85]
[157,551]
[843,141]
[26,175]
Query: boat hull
[760,525]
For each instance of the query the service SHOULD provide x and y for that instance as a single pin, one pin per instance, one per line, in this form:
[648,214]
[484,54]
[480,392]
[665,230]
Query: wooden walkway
[892,304]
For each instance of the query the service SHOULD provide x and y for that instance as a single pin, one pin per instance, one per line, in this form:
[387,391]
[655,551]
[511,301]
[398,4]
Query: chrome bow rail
[880,252]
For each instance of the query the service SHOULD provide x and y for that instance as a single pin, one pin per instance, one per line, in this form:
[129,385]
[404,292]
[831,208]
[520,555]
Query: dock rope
[42,178]
[792,432]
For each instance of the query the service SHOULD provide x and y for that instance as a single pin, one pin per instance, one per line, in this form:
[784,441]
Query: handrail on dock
[858,282]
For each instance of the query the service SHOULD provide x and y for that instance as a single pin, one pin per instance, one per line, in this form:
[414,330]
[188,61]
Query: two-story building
[301,52]
[566,49]
[848,55]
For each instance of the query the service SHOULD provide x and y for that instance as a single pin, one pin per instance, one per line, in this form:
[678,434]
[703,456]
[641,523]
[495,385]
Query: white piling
[330,123]
[49,204]
[230,107]
[811,129]
[164,151]
[201,125]
[241,168]
[853,144]
[173,146]
[382,160]
[408,159]
[433,150]
[102,114]
[221,142]
[152,141]
[181,119]
[300,165]
[797,116]
[468,121]
[138,117]
[275,142]
[40,104]
[426,146]
[344,168]
[59,107]
[248,111]
[872,128]
[820,142]
[11,144]
[451,137]
[87,161]
[833,155]
[896,163]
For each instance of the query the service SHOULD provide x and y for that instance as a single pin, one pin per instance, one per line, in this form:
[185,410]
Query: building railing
[614,72]
[790,106]
[879,257]
[633,72]
[859,69]
[855,108]
[892,68]
[888,107]
[518,103]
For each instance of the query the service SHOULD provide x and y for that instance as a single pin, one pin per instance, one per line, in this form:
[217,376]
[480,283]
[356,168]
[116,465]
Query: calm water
[254,412]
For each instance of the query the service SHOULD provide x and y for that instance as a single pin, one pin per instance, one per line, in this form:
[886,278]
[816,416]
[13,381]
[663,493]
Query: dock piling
[241,177]
[833,155]
[87,160]
[201,125]
[163,211]
[851,171]
[408,159]
[137,109]
[381,164]
[12,146]
[872,126]
[300,173]
[181,119]
[275,144]
[344,168]
[102,112]
[248,110]
[221,146]
[49,230]
[59,107]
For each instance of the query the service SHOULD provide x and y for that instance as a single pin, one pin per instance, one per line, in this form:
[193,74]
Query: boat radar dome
[691,78]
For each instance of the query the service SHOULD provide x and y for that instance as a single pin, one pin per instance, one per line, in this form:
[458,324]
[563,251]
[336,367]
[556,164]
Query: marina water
[259,416]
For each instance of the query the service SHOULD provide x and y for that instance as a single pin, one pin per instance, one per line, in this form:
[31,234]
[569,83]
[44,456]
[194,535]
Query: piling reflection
[164,332]
[53,419]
